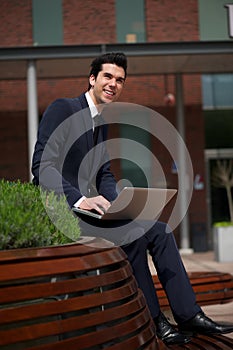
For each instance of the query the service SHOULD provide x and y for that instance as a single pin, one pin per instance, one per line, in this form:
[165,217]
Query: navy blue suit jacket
[63,160]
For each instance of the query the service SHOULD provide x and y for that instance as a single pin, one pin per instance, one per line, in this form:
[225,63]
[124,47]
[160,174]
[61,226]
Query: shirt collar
[91,105]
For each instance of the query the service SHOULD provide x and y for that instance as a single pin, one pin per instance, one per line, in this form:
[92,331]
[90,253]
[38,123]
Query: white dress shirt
[94,113]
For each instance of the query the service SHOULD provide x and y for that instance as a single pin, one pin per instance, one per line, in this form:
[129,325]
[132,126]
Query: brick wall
[16,23]
[89,22]
[169,20]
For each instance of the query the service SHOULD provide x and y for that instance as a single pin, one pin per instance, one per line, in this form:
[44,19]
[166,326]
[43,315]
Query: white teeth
[109,92]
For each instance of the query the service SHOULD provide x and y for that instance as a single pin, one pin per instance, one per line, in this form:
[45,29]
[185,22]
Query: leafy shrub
[223,224]
[32,218]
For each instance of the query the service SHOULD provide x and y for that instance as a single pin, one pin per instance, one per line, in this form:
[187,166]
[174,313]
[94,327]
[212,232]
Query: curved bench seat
[71,297]
[84,296]
[210,288]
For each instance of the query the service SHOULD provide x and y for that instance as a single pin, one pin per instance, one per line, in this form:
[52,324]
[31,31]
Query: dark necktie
[97,125]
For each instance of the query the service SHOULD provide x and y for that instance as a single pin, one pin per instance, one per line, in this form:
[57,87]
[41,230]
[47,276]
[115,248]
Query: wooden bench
[71,297]
[201,342]
[209,287]
[78,297]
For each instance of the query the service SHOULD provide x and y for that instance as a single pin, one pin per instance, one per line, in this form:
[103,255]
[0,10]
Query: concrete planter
[223,243]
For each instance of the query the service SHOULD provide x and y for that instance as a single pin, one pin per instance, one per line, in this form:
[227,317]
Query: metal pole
[183,177]
[32,119]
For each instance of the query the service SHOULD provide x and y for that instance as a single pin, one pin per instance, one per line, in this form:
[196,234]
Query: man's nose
[112,82]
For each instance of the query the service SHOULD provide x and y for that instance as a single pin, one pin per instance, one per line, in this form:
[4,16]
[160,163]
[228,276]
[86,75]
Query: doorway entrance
[217,205]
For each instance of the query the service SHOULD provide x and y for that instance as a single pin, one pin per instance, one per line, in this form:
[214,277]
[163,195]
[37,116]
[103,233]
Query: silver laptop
[135,203]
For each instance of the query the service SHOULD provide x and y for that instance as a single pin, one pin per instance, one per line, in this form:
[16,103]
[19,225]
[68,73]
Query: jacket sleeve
[106,183]
[48,154]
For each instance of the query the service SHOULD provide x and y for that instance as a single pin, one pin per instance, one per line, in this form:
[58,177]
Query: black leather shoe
[167,333]
[204,325]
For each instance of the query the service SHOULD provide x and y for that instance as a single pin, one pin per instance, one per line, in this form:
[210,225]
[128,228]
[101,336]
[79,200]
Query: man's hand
[99,203]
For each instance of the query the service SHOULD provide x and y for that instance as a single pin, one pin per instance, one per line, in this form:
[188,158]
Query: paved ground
[206,262]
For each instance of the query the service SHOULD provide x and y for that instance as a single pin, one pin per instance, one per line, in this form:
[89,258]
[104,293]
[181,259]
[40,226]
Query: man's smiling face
[108,84]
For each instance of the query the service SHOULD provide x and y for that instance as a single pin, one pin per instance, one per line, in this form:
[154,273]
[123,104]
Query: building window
[130,21]
[217,89]
[47,22]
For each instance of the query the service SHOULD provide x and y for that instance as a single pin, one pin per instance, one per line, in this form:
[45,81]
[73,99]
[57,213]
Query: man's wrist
[77,204]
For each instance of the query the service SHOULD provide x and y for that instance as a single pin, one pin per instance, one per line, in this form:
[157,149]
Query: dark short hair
[117,58]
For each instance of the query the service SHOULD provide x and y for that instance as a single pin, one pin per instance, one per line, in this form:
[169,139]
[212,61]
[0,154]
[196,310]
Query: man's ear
[92,80]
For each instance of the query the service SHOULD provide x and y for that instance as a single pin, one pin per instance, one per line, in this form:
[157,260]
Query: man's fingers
[103,203]
[99,203]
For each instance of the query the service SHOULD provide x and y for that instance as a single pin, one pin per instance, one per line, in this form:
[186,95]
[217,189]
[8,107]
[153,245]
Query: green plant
[30,217]
[223,224]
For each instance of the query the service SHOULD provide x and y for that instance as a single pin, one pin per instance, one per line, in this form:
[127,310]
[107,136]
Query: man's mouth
[109,93]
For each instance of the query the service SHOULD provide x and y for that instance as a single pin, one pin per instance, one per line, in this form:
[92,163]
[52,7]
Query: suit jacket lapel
[88,122]
[95,155]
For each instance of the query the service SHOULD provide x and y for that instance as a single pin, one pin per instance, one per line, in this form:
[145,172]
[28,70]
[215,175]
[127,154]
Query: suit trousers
[158,240]
[160,243]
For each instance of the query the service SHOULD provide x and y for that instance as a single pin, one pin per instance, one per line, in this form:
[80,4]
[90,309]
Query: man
[72,168]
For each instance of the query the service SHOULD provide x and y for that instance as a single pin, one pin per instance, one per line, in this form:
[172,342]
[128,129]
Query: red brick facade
[16,23]
[89,22]
[168,20]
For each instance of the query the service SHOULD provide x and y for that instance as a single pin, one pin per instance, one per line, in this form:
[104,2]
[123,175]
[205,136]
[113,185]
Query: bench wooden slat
[93,246]
[205,343]
[209,287]
[212,342]
[201,342]
[106,335]
[43,290]
[43,308]
[59,266]
[225,341]
[116,331]
[135,342]
[41,330]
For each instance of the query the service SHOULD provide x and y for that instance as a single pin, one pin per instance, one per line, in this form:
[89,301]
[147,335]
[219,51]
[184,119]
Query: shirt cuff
[77,204]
